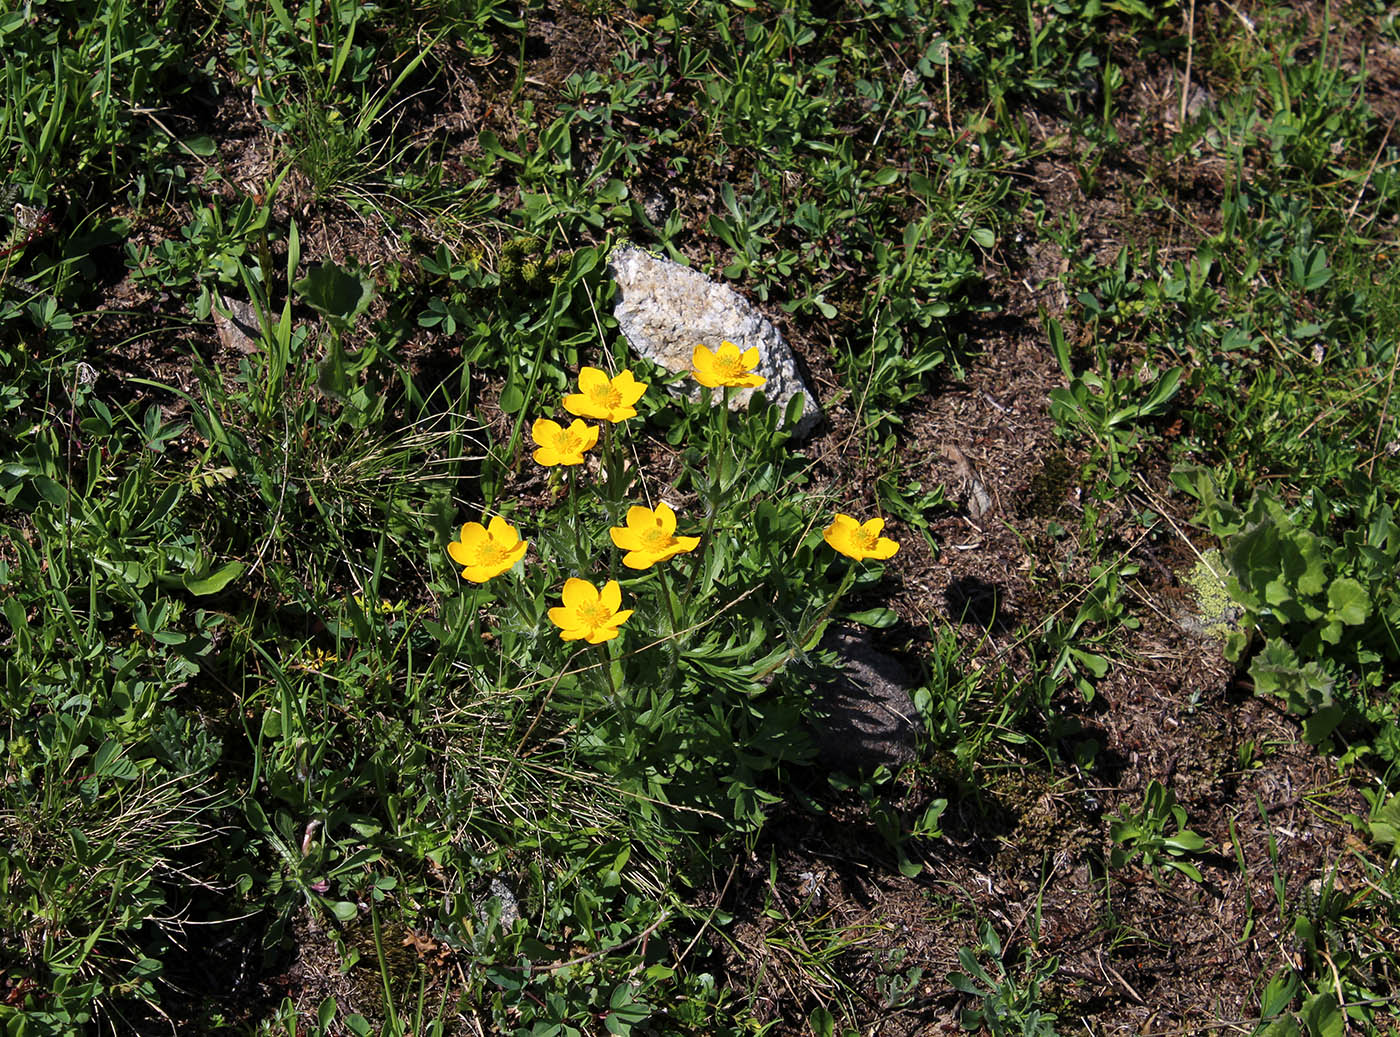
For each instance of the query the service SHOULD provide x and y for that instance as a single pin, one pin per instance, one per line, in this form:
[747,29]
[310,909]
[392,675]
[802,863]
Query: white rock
[665,310]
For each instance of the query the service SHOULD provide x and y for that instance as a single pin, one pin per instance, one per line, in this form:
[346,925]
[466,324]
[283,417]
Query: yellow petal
[578,593]
[473,537]
[630,389]
[585,434]
[665,518]
[482,573]
[750,357]
[625,539]
[610,597]
[503,532]
[580,405]
[590,378]
[458,554]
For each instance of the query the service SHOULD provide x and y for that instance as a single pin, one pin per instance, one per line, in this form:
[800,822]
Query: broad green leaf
[1187,841]
[215,581]
[878,618]
[512,396]
[1095,664]
[1349,601]
[1322,1017]
[340,294]
[343,910]
[1278,994]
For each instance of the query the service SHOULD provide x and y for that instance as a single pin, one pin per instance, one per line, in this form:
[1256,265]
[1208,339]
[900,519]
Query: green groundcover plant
[1321,598]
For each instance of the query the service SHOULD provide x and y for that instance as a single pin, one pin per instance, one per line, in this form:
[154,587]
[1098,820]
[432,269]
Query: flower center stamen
[656,538]
[593,615]
[489,553]
[605,396]
[732,366]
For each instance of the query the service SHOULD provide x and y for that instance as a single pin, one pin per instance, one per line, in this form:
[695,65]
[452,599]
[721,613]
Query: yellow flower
[588,613]
[605,399]
[726,367]
[559,445]
[385,605]
[859,540]
[650,537]
[484,553]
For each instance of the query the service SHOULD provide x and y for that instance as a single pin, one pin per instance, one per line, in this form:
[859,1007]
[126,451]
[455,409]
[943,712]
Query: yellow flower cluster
[589,613]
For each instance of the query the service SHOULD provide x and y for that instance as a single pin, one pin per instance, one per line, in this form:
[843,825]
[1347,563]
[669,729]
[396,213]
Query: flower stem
[612,467]
[815,630]
[670,610]
[573,519]
[607,672]
[713,491]
[616,702]
[472,626]
[811,634]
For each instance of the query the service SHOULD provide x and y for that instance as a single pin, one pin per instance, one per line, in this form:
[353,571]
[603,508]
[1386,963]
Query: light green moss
[1216,610]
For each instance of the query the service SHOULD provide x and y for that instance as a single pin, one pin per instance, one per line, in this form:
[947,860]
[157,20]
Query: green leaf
[962,983]
[1096,664]
[214,582]
[202,146]
[1186,841]
[1278,994]
[110,762]
[512,396]
[340,294]
[1349,601]
[51,491]
[343,910]
[878,618]
[1322,1017]
[1189,870]
[1319,727]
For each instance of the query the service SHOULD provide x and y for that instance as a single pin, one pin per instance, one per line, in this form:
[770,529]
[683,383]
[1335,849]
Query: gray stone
[665,310]
[867,714]
[238,327]
[510,907]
